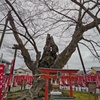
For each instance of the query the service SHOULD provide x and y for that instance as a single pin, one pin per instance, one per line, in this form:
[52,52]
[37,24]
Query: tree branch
[35,47]
[24,51]
[84,8]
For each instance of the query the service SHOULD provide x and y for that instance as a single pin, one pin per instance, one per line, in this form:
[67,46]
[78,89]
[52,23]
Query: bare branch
[23,25]
[51,9]
[98,29]
[91,42]
[84,8]
[24,51]
[90,50]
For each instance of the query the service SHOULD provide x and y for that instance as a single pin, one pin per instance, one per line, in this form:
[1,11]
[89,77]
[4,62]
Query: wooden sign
[92,86]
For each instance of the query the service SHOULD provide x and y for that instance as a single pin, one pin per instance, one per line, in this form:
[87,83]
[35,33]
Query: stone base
[55,93]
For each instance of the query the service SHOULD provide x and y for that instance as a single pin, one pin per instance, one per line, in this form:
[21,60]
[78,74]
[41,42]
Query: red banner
[1,78]
[81,80]
[18,80]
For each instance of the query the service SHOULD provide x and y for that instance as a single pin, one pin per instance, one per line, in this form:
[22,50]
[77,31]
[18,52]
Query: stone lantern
[55,90]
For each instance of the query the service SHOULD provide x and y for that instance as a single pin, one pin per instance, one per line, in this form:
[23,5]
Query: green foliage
[46,61]
[41,93]
[65,93]
[80,95]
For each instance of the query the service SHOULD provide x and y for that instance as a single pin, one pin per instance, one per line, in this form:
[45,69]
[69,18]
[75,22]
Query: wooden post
[71,89]
[2,37]
[91,88]
[88,94]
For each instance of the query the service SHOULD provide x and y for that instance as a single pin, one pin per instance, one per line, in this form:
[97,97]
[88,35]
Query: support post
[81,59]
[2,37]
[46,89]
[71,89]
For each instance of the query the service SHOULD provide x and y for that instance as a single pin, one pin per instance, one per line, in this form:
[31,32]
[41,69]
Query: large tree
[74,18]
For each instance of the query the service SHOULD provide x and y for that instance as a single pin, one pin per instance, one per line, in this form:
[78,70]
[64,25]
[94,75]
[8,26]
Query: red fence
[81,80]
[17,80]
[76,81]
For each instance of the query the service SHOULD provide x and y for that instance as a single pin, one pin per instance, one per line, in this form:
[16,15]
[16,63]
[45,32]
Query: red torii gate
[48,74]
